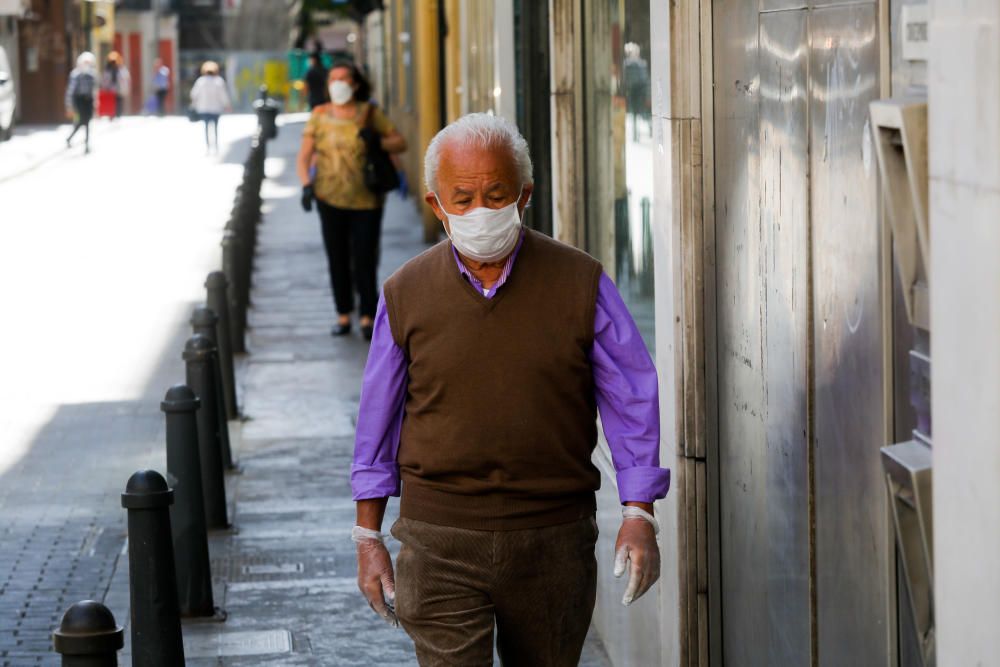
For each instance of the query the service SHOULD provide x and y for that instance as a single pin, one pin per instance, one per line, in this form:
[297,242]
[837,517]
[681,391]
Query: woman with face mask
[331,166]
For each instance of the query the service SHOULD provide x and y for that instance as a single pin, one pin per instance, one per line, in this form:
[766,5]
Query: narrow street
[90,366]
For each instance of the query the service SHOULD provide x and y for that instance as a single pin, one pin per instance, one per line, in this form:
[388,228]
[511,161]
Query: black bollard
[203,321]
[216,287]
[187,516]
[201,379]
[267,114]
[231,249]
[88,636]
[156,620]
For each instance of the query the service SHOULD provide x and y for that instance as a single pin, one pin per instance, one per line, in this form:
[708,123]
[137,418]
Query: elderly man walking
[491,355]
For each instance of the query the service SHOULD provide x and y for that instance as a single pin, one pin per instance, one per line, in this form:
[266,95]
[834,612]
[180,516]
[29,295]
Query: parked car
[7,97]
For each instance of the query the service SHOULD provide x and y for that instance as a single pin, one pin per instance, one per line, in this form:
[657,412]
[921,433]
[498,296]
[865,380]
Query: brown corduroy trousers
[536,586]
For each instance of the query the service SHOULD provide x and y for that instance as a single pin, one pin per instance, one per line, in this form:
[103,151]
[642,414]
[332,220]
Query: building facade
[719,157]
[144,31]
[49,37]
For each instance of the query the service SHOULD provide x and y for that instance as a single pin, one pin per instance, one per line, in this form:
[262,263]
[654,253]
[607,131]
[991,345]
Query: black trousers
[352,251]
[211,130]
[84,107]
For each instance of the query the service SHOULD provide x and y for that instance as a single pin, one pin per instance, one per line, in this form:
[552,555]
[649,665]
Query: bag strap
[369,113]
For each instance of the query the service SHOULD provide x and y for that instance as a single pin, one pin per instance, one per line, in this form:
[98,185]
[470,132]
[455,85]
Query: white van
[7,97]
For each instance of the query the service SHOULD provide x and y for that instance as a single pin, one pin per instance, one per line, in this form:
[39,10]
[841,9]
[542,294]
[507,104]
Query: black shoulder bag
[380,173]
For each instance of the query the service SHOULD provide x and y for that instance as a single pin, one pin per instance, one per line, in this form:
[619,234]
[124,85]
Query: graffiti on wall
[244,71]
[249,70]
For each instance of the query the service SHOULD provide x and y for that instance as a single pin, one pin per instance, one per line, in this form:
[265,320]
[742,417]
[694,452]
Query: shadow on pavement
[63,524]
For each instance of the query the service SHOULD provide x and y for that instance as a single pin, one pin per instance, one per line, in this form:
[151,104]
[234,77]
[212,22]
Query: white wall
[964,97]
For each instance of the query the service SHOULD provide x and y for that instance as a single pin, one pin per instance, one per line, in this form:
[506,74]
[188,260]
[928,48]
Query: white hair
[482,130]
[86,60]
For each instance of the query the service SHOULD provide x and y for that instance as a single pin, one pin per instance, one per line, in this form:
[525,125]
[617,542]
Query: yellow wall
[453,62]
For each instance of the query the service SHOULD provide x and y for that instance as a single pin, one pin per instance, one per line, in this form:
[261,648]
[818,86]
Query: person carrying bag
[349,141]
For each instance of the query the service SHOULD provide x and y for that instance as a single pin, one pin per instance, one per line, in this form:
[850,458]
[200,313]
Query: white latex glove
[375,576]
[636,549]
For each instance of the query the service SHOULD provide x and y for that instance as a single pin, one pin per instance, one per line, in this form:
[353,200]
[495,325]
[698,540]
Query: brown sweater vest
[500,418]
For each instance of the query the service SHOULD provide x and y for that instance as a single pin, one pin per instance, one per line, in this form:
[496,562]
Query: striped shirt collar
[504,274]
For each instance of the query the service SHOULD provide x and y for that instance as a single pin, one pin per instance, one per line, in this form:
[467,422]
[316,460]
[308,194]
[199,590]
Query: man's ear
[435,206]
[526,191]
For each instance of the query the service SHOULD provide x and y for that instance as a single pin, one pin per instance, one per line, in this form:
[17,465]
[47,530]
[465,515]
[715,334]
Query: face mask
[485,234]
[341,92]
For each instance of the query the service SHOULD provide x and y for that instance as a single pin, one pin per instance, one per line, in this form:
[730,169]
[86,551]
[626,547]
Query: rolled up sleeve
[374,471]
[627,397]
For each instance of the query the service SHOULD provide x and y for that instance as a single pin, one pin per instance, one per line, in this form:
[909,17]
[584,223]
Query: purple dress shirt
[624,384]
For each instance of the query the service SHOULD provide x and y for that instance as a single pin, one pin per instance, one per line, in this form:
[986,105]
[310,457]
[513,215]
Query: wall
[130,24]
[48,48]
[964,98]
[247,71]
[806,551]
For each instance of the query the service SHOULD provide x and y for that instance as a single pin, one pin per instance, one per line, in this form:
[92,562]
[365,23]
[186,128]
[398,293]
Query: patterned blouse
[340,156]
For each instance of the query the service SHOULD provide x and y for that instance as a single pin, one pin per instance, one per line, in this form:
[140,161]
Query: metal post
[203,321]
[230,250]
[156,620]
[201,379]
[267,115]
[88,636]
[187,517]
[216,287]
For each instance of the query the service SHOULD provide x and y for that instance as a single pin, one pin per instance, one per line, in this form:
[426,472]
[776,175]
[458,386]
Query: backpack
[85,84]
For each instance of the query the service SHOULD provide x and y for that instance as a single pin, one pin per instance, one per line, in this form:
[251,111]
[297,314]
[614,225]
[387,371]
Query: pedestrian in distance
[337,138]
[316,81]
[116,82]
[80,97]
[209,99]
[492,354]
[161,85]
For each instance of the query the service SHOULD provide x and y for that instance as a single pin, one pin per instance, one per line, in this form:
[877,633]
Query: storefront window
[479,75]
[619,151]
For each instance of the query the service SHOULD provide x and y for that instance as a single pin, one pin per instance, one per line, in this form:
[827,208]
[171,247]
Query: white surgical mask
[485,234]
[341,92]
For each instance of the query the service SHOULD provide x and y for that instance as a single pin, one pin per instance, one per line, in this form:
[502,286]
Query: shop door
[805,541]
[136,70]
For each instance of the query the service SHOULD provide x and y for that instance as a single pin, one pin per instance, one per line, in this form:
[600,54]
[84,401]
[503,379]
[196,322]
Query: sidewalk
[287,577]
